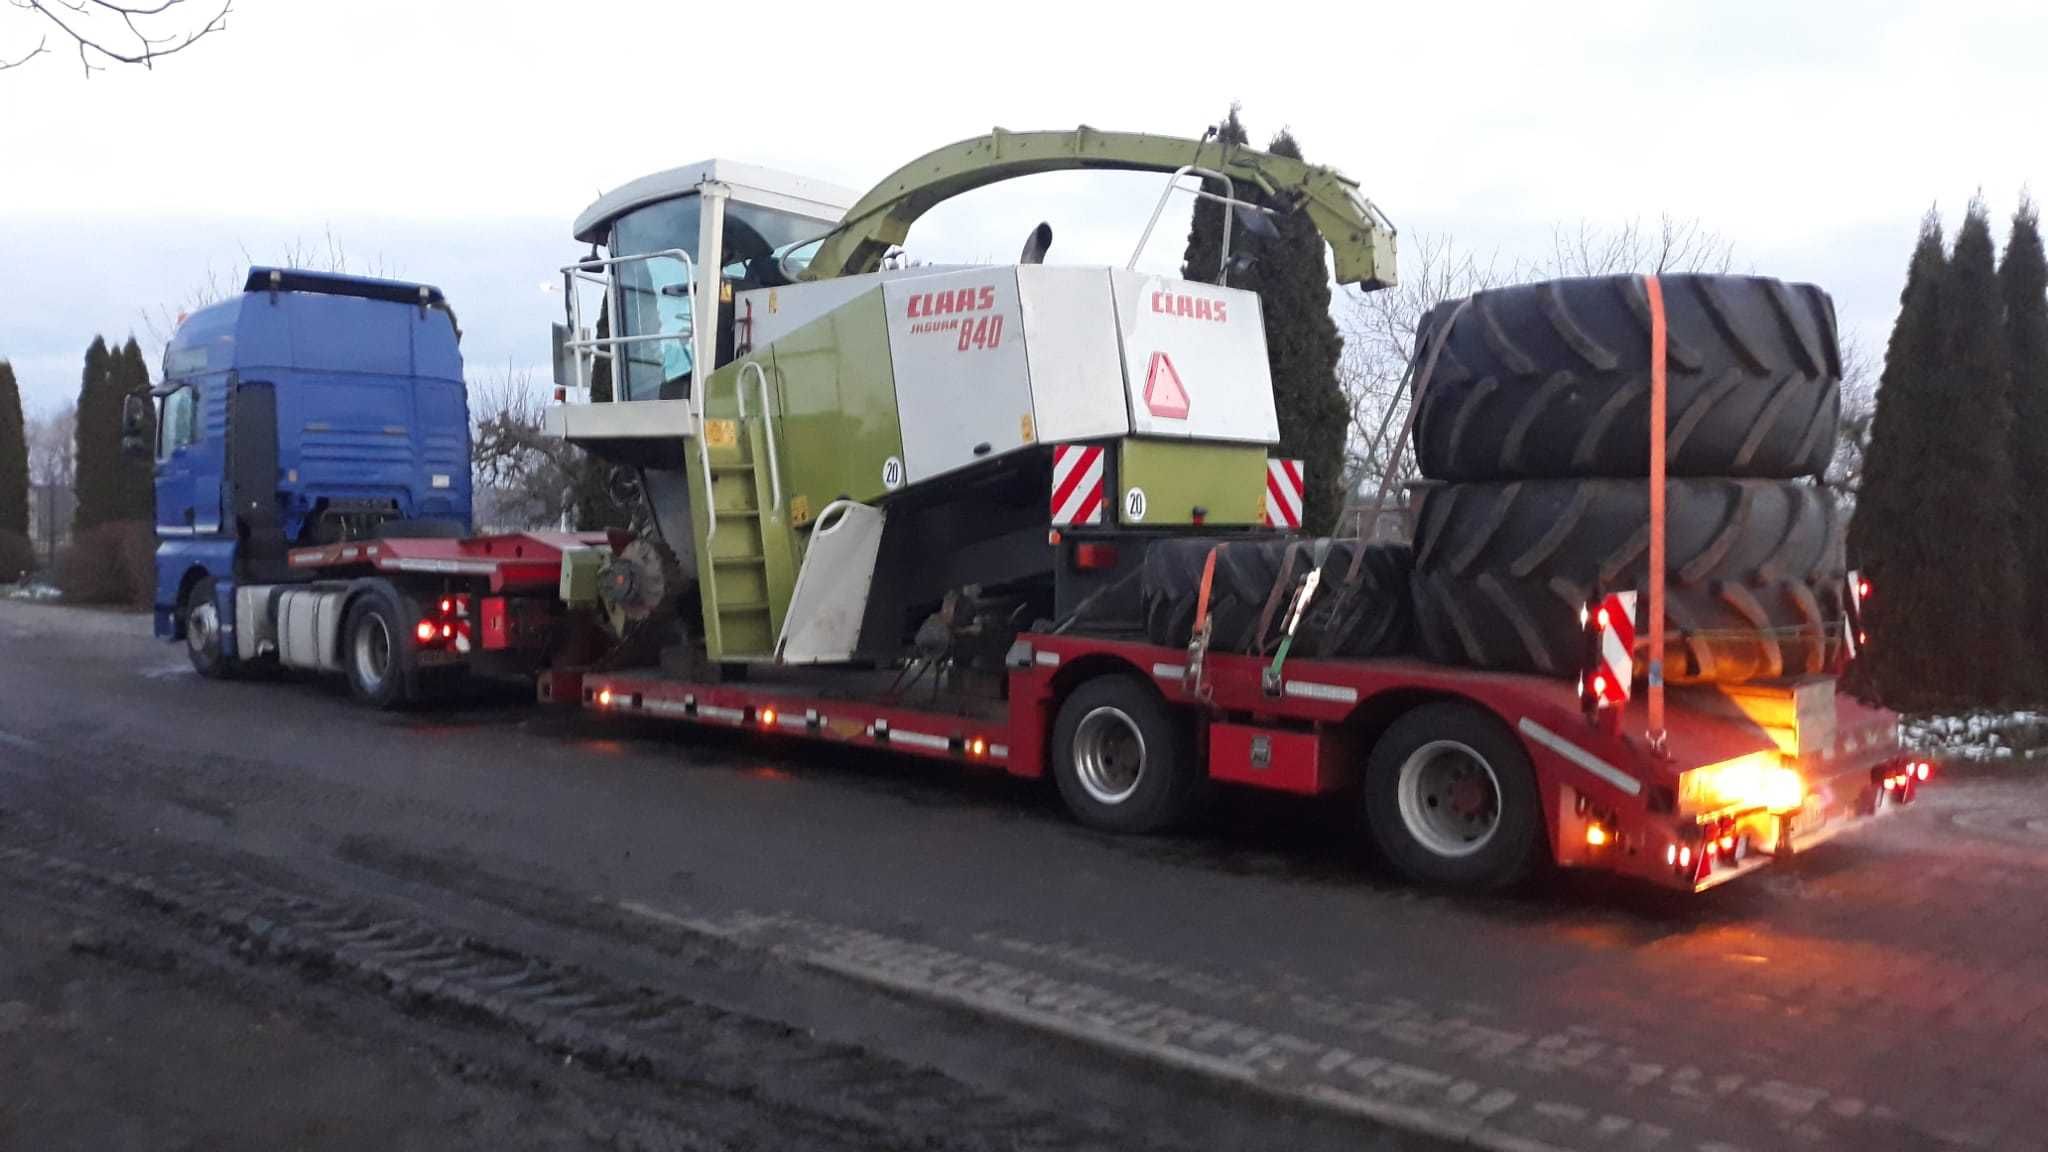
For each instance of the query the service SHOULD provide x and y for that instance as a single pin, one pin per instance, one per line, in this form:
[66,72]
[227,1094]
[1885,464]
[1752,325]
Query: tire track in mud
[822,1095]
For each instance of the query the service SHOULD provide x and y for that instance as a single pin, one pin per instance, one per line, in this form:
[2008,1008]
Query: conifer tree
[2023,291]
[14,490]
[98,454]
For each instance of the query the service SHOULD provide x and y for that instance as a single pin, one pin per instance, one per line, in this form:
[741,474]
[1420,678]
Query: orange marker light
[604,697]
[1595,835]
[977,747]
[767,717]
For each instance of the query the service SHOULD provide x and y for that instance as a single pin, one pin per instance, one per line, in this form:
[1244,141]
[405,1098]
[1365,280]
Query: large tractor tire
[1754,579]
[1357,618]
[1553,380]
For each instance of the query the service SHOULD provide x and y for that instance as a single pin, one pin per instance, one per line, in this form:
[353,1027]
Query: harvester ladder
[750,547]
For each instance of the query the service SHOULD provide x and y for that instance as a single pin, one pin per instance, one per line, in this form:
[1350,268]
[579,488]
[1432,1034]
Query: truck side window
[179,424]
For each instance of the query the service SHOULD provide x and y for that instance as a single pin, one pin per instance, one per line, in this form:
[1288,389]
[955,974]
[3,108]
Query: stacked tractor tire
[1533,427]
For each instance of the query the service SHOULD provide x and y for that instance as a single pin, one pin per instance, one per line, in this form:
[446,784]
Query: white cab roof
[750,185]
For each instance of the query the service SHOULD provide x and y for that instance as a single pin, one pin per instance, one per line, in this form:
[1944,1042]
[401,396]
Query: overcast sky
[454,141]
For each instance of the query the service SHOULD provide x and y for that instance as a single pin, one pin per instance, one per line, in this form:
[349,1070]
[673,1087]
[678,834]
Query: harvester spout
[1359,235]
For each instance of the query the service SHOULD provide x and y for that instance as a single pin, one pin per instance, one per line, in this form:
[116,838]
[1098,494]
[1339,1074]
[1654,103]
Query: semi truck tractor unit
[1031,516]
[313,492]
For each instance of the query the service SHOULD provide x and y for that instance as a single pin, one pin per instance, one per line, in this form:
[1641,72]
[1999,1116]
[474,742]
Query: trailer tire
[1451,800]
[1753,579]
[204,643]
[1553,380]
[377,649]
[1122,759]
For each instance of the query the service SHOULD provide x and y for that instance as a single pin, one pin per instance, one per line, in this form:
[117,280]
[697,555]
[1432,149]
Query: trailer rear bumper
[1695,853]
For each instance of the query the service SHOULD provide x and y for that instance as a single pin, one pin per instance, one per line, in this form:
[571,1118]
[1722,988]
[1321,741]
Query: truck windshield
[655,296]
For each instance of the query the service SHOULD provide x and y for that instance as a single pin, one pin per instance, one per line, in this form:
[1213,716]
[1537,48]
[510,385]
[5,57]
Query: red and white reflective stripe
[1283,493]
[1614,675]
[1076,484]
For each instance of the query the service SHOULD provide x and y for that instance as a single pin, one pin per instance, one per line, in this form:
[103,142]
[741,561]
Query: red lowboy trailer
[1467,778]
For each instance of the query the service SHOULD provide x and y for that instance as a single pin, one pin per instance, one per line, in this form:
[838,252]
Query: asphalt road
[897,955]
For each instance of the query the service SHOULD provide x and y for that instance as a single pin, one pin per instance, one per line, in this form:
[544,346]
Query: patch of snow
[1979,736]
[32,590]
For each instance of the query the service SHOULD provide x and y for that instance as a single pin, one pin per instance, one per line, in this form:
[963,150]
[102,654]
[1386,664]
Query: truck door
[251,486]
[177,434]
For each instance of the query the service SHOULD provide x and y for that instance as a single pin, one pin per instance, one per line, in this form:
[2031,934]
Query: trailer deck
[1692,818]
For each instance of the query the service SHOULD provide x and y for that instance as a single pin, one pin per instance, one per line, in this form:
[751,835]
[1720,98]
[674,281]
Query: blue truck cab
[311,408]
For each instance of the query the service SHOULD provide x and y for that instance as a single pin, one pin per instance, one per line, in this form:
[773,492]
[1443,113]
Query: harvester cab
[846,457]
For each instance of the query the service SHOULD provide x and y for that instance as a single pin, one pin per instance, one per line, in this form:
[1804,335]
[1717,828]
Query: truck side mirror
[135,412]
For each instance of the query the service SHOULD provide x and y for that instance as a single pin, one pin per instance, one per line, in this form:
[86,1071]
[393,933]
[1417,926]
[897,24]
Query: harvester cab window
[179,424]
[654,298]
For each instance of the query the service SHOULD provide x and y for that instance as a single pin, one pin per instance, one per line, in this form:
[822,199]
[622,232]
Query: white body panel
[822,625]
[963,385]
[776,312]
[1212,341]
[1070,340]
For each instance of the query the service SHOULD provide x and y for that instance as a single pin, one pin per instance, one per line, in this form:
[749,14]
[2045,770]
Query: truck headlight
[1758,780]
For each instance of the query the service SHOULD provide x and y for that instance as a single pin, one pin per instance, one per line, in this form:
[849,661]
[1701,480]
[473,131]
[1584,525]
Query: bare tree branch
[90,27]
[41,47]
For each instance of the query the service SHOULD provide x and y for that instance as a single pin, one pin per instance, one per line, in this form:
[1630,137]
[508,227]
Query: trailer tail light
[604,697]
[1095,557]
[1596,836]
[1855,636]
[1759,780]
[767,717]
[426,631]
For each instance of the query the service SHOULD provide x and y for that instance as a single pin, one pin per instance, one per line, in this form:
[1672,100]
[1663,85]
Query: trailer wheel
[203,640]
[377,650]
[1451,799]
[1121,757]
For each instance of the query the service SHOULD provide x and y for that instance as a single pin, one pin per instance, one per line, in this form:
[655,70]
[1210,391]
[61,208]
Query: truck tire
[1451,800]
[377,649]
[1753,583]
[1553,380]
[204,642]
[1122,759]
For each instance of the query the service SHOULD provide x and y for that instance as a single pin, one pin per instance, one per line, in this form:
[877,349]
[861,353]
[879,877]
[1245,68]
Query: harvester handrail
[767,425]
[590,349]
[1172,184]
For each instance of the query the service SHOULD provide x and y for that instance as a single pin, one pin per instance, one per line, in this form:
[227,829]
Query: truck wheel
[203,638]
[377,651]
[1451,800]
[1121,759]
[1553,380]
